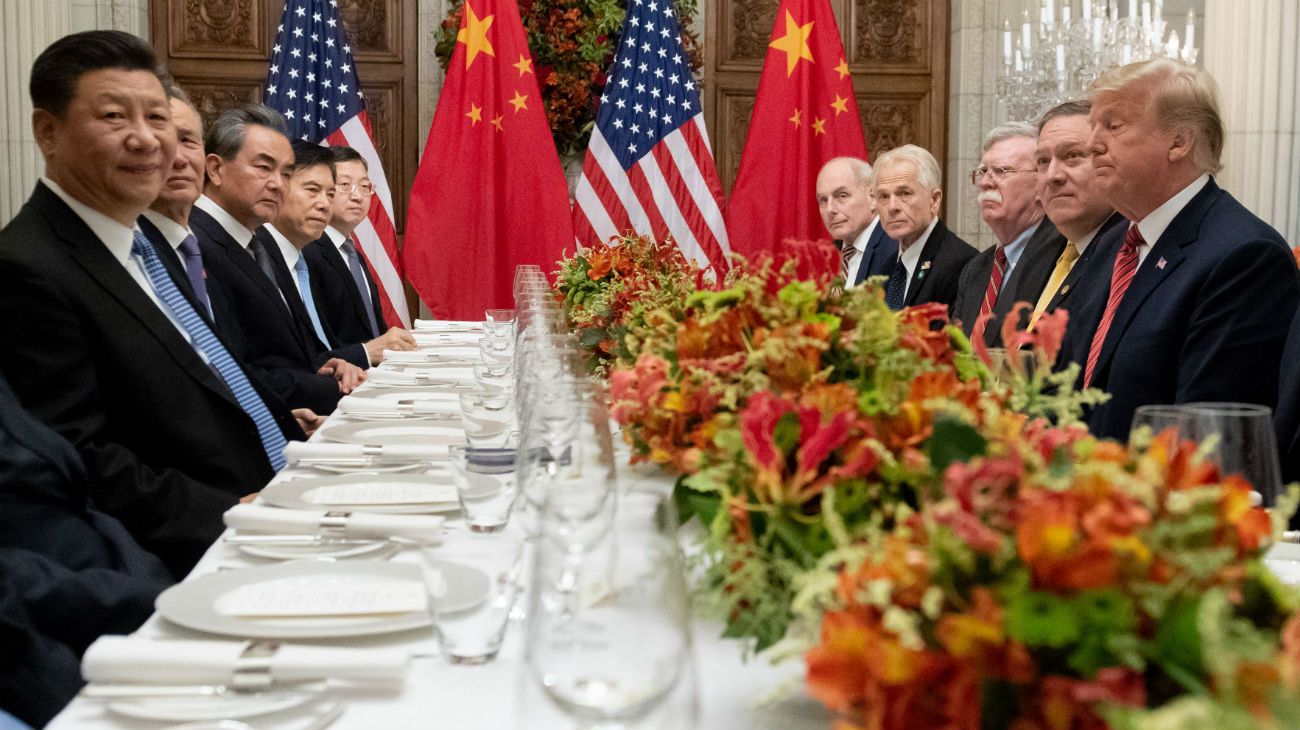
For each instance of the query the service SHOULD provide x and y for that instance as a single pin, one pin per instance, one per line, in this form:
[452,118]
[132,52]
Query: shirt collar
[289,251]
[1017,246]
[1157,221]
[117,237]
[910,256]
[1081,245]
[236,229]
[860,243]
[173,232]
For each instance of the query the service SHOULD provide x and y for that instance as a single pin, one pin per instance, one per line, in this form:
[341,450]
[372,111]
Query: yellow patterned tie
[1063,265]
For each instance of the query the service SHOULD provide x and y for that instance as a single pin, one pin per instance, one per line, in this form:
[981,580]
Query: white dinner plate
[228,707]
[371,550]
[372,468]
[407,432]
[388,494]
[198,604]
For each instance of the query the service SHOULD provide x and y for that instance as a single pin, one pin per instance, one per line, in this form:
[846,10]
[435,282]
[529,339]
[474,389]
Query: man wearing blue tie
[849,212]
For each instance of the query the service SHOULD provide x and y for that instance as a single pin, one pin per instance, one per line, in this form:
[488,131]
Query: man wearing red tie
[1201,291]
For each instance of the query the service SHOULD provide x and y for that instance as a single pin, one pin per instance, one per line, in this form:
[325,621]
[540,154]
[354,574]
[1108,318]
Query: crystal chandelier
[1057,55]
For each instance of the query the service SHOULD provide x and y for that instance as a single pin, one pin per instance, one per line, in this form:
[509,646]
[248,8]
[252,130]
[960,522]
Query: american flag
[649,167]
[313,83]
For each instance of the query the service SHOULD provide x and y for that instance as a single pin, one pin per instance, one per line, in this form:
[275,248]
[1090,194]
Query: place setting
[341,458]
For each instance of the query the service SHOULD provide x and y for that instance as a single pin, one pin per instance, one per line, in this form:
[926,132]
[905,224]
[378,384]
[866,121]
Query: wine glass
[1157,418]
[1240,440]
[609,632]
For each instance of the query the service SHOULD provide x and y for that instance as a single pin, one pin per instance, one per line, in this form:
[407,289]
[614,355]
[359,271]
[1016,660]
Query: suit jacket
[274,346]
[879,257]
[1193,317]
[353,352]
[167,446]
[1286,418]
[1084,276]
[68,573]
[1024,284]
[337,299]
[939,268]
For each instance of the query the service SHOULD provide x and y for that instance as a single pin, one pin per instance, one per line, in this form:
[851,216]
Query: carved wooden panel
[737,108]
[890,122]
[747,34]
[212,97]
[230,28]
[889,32]
[373,29]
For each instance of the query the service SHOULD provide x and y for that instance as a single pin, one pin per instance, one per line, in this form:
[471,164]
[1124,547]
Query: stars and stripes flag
[313,83]
[649,167]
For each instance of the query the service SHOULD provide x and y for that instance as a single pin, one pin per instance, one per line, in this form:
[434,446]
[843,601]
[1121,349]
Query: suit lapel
[1077,271]
[330,254]
[926,262]
[871,255]
[289,289]
[174,269]
[241,259]
[93,257]
[1160,262]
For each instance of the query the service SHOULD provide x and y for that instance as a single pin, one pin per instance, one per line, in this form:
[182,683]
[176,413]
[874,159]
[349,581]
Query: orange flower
[837,667]
[599,263]
[1252,524]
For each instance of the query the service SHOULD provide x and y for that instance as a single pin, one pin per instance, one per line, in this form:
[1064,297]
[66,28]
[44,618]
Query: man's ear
[1181,145]
[214,166]
[45,127]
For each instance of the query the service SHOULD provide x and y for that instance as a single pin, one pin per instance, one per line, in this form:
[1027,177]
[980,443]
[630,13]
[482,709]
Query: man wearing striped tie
[95,337]
[848,211]
[1201,291]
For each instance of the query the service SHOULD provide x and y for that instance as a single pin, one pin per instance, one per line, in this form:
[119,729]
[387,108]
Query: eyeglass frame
[999,172]
[349,188]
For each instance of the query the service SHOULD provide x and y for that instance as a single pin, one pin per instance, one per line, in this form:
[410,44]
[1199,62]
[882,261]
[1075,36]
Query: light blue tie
[207,343]
[304,288]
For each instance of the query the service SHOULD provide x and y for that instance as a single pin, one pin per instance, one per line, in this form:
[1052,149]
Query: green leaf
[1036,618]
[1178,638]
[953,441]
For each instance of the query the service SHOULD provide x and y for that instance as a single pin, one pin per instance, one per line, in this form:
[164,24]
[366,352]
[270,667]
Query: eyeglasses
[997,172]
[366,187]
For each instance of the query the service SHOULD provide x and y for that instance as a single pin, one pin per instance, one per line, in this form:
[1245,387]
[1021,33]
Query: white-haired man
[930,257]
[849,212]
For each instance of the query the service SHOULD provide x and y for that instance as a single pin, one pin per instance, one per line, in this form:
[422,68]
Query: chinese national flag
[804,115]
[490,193]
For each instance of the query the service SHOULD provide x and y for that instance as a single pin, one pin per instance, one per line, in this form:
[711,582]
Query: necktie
[189,249]
[263,259]
[304,288]
[201,335]
[896,287]
[846,255]
[1126,263]
[991,291]
[1064,263]
[359,278]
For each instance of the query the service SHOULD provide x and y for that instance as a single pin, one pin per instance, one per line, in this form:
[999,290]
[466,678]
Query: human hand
[349,376]
[395,338]
[308,420]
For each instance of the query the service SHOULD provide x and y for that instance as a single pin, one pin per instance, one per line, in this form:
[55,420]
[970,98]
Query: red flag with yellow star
[490,193]
[805,114]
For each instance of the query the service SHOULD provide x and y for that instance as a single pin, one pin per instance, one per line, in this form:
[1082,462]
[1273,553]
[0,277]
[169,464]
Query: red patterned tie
[1126,263]
[991,292]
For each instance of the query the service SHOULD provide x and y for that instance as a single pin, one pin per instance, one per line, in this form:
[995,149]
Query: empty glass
[485,425]
[496,384]
[485,484]
[474,636]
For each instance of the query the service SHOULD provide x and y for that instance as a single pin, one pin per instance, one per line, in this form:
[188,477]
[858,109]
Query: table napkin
[297,451]
[255,518]
[349,405]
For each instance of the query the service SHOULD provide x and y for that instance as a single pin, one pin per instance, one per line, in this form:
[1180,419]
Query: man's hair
[343,153]
[309,154]
[175,91]
[225,137]
[1186,101]
[1071,108]
[57,70]
[862,173]
[927,168]
[1008,130]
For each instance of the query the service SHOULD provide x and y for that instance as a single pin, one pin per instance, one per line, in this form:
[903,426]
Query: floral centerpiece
[572,44]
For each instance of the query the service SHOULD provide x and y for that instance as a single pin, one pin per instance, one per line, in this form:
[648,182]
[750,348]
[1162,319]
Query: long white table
[729,692]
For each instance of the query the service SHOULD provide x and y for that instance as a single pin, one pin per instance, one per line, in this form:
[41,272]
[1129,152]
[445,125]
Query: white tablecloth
[730,693]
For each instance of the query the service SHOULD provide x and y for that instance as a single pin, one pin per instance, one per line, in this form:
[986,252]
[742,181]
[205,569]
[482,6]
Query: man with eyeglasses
[1018,267]
[348,299]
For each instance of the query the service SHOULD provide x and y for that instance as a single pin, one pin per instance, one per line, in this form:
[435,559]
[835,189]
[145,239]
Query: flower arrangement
[1055,581]
[572,43]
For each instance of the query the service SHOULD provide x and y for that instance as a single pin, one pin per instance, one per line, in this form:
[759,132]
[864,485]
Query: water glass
[485,484]
[496,384]
[474,636]
[496,353]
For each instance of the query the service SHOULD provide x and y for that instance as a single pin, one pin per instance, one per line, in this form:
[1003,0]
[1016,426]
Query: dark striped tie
[211,349]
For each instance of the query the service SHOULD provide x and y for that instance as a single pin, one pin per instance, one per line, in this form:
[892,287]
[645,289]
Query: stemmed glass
[609,632]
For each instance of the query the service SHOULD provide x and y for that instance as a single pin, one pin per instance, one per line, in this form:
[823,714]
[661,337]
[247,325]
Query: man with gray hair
[1201,291]
[247,170]
[1017,268]
[929,258]
[849,212]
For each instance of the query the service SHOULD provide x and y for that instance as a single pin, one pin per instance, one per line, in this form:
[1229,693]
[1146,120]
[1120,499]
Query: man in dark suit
[248,163]
[1067,191]
[346,295]
[1201,291]
[1017,268]
[930,257]
[95,338]
[166,226]
[68,573]
[848,210]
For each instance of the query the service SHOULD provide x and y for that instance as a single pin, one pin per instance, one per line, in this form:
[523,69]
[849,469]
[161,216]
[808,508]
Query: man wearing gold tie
[1065,188]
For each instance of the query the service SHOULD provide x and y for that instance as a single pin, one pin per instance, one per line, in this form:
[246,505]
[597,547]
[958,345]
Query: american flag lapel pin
[1161,263]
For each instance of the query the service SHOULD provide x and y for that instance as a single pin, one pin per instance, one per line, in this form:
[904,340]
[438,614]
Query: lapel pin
[1064,289]
[1161,263]
[925,265]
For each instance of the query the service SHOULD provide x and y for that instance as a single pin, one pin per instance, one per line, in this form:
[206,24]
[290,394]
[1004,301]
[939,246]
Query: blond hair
[1186,100]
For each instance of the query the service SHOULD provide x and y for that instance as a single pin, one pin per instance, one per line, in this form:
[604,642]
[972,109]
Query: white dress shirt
[860,248]
[291,255]
[337,238]
[1153,226]
[911,255]
[236,229]
[173,232]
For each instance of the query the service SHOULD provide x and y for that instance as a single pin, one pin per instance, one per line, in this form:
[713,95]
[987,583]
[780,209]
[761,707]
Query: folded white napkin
[447,339]
[349,405]
[365,525]
[128,660]
[446,325]
[454,376]
[296,452]
[468,355]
